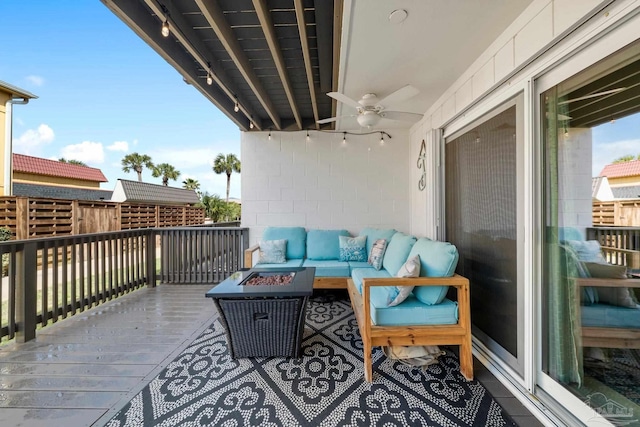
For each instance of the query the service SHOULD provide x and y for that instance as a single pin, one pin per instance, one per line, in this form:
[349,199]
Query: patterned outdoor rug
[205,387]
[621,372]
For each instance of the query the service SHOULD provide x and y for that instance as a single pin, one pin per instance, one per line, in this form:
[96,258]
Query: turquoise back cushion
[437,259]
[374,234]
[324,244]
[397,252]
[296,238]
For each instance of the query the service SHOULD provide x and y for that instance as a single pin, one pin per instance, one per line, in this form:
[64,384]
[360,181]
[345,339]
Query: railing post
[151,258]
[26,292]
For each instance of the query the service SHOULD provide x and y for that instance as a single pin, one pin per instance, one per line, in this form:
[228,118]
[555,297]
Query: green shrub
[5,234]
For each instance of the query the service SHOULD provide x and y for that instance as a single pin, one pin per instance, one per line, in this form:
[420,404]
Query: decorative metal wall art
[422,183]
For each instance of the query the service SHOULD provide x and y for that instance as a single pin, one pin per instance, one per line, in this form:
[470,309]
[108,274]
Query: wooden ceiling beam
[337,39]
[302,29]
[184,33]
[214,16]
[272,40]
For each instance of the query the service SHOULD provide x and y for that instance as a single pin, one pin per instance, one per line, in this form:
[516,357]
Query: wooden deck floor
[81,371]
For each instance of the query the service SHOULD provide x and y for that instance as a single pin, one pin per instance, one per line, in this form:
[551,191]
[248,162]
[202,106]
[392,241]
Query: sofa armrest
[460,283]
[608,283]
[248,255]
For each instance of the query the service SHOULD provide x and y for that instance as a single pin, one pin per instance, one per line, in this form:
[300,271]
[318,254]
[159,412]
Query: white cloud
[119,146]
[605,153]
[31,139]
[35,80]
[87,151]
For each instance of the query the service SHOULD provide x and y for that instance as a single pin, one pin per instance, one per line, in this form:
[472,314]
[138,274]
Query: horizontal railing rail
[192,255]
[48,279]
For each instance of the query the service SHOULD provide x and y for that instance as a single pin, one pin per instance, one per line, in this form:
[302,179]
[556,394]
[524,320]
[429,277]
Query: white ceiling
[437,42]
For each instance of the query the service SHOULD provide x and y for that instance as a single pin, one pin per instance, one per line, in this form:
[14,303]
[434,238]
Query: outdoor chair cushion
[324,244]
[328,268]
[374,234]
[414,312]
[397,252]
[437,259]
[290,263]
[610,316]
[296,238]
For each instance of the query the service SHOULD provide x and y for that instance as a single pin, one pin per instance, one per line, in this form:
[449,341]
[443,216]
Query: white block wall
[323,183]
[542,23]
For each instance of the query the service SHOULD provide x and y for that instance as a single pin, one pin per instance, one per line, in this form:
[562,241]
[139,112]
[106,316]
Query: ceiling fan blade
[401,115]
[399,95]
[334,119]
[593,95]
[329,120]
[344,99]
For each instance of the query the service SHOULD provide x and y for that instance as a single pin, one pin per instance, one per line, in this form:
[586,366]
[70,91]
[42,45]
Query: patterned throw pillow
[411,268]
[273,252]
[377,253]
[353,248]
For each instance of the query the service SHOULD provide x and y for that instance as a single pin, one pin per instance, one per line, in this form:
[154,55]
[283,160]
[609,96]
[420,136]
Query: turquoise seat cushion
[328,268]
[610,316]
[397,252]
[437,259]
[569,233]
[357,274]
[296,238]
[357,264]
[413,312]
[374,234]
[324,244]
[290,263]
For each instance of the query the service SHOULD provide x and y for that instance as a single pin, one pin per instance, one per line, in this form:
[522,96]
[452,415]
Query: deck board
[83,369]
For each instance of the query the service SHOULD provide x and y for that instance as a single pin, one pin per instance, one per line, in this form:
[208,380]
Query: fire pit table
[263,310]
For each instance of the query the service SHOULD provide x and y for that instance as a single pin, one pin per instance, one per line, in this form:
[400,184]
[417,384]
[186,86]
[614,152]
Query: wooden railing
[201,254]
[49,279]
[625,241]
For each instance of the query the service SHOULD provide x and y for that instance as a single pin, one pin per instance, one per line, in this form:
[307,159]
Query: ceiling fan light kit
[370,109]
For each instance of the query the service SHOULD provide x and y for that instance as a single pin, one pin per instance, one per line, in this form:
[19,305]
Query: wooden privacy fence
[29,218]
[201,254]
[623,213]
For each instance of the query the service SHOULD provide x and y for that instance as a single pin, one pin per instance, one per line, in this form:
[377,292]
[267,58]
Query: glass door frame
[546,388]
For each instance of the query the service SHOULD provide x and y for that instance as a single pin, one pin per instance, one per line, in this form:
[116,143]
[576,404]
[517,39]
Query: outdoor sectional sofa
[425,317]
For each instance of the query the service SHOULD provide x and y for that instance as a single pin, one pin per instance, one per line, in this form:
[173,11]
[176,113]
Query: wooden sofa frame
[373,335]
[593,336]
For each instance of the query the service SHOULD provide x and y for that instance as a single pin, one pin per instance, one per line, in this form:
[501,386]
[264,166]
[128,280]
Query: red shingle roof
[618,170]
[39,166]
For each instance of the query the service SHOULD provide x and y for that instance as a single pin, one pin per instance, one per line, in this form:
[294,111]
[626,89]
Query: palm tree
[136,162]
[226,164]
[72,162]
[166,171]
[214,206]
[191,184]
[623,159]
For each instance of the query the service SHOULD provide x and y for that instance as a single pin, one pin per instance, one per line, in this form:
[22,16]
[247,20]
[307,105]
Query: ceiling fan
[371,109]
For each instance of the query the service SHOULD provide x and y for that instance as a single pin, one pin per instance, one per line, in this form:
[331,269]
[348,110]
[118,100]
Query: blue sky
[614,140]
[103,93]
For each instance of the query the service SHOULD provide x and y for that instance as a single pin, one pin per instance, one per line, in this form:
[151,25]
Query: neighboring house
[9,96]
[144,192]
[624,179]
[38,177]
[601,190]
